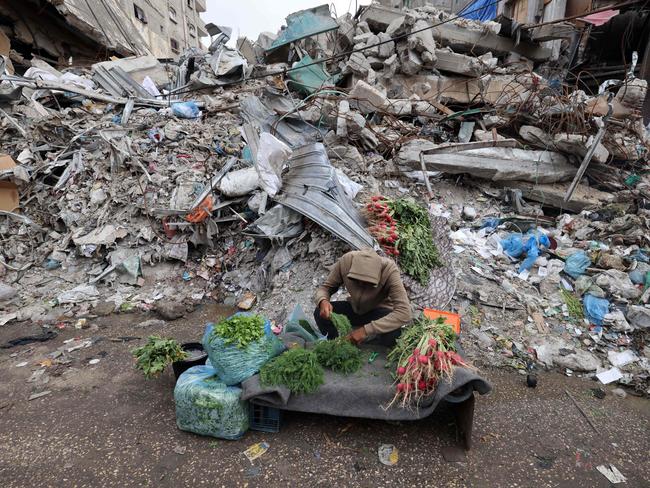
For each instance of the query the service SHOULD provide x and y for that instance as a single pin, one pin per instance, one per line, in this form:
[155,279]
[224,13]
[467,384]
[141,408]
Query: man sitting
[378,304]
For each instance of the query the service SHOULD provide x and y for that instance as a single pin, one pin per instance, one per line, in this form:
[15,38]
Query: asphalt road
[105,425]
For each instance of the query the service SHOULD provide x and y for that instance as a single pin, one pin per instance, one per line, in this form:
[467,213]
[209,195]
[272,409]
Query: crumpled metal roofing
[311,188]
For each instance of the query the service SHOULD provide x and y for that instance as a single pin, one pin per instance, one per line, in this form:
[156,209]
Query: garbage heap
[237,175]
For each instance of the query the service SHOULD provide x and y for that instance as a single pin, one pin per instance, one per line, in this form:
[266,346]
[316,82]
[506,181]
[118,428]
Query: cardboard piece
[9,200]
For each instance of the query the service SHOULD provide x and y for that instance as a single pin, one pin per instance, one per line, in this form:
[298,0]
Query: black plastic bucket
[197,357]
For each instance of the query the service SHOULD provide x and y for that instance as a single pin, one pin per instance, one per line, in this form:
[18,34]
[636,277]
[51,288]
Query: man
[378,304]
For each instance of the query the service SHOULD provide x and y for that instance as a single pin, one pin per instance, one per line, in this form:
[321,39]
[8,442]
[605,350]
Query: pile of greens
[342,323]
[157,353]
[338,355]
[417,252]
[240,330]
[297,369]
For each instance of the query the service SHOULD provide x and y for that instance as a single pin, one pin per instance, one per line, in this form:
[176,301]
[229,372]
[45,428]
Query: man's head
[366,268]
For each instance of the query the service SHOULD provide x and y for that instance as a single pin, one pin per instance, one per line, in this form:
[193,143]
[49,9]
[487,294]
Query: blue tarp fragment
[474,11]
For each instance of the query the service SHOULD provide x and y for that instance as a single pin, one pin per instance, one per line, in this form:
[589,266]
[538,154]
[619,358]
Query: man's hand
[357,336]
[325,309]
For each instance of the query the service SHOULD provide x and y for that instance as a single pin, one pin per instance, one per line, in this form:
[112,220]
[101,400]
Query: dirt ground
[105,425]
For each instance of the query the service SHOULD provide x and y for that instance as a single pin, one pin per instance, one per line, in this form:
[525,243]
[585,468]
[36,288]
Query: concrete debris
[240,175]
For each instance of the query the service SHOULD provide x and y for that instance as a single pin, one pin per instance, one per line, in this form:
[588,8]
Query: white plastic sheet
[272,154]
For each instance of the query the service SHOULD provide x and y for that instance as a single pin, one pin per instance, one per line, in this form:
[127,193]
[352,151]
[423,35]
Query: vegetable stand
[365,393]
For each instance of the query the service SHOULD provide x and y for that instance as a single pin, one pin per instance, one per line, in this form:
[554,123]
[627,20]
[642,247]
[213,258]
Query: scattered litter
[39,395]
[609,376]
[388,454]
[611,473]
[256,450]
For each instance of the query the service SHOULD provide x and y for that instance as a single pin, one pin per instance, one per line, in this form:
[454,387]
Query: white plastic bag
[271,156]
[239,183]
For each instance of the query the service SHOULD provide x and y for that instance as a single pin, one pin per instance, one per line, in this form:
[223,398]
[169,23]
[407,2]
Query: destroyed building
[81,32]
[168,27]
[240,175]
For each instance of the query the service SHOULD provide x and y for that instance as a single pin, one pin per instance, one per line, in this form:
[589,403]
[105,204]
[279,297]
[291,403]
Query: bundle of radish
[384,228]
[403,229]
[424,354]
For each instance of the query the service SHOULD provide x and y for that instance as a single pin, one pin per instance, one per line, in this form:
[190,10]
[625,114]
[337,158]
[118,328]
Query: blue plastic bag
[206,405]
[186,110]
[595,308]
[515,245]
[576,264]
[234,365]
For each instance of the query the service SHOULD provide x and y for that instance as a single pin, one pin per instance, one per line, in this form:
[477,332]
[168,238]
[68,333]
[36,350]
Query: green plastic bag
[206,405]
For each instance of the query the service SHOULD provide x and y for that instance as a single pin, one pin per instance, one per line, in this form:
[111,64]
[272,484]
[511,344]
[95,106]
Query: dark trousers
[345,308]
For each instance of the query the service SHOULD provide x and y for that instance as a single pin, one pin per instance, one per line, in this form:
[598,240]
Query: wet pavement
[105,425]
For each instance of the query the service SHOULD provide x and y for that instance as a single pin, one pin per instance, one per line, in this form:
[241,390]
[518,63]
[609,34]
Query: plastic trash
[595,308]
[186,110]
[207,406]
[239,183]
[350,188]
[300,324]
[234,365]
[272,154]
[576,264]
[638,275]
[156,135]
[531,244]
[149,85]
[256,450]
[491,223]
[388,454]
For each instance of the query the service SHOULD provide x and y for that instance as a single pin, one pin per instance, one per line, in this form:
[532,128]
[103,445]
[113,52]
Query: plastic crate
[264,419]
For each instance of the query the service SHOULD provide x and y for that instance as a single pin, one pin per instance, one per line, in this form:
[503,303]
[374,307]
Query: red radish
[401,386]
[411,360]
[401,370]
[424,359]
[422,385]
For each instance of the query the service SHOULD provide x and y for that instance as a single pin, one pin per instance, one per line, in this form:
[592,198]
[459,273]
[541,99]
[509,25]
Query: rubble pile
[237,175]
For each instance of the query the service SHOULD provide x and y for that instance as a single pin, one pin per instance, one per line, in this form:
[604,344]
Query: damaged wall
[69,29]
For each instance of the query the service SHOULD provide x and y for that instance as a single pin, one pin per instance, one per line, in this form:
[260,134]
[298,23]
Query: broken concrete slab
[552,195]
[422,42]
[367,98]
[492,89]
[491,163]
[458,63]
[388,49]
[555,351]
[578,144]
[549,32]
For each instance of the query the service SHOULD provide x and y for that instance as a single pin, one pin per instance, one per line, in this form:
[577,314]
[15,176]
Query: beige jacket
[387,292]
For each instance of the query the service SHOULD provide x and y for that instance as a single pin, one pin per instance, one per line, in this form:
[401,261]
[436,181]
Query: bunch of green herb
[573,304]
[157,353]
[339,355]
[417,252]
[297,369]
[240,330]
[342,323]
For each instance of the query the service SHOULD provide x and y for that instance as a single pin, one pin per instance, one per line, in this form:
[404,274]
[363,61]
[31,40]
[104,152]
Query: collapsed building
[239,173]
